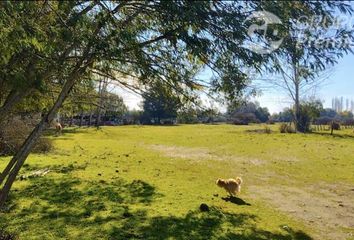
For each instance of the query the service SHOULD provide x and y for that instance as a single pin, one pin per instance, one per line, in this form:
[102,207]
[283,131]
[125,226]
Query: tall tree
[310,47]
[160,102]
[114,106]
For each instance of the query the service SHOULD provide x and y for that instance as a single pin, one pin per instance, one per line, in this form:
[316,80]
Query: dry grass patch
[200,154]
[327,208]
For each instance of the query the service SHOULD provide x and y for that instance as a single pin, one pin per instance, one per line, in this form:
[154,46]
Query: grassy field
[145,182]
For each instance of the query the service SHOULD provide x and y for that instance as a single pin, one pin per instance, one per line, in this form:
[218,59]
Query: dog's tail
[239,180]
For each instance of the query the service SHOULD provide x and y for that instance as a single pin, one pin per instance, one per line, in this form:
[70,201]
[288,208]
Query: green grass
[120,183]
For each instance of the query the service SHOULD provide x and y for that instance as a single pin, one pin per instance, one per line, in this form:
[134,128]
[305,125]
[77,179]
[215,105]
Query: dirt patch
[328,208]
[200,154]
[184,152]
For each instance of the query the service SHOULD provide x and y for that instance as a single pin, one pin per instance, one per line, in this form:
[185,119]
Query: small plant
[271,122]
[286,128]
[267,130]
[43,145]
[283,127]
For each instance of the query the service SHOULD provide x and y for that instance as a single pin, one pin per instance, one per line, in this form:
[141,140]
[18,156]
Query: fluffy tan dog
[232,186]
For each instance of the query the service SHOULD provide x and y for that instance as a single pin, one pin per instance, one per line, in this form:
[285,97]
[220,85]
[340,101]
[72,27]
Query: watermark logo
[260,42]
[318,32]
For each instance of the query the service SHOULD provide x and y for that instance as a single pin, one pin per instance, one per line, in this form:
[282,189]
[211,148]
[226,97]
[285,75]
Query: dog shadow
[235,200]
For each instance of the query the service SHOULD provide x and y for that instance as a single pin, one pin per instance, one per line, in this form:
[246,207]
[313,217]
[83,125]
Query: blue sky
[340,83]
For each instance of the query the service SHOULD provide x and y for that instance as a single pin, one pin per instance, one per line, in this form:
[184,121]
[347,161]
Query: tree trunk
[71,120]
[332,123]
[7,170]
[98,117]
[18,160]
[296,81]
[101,91]
[81,118]
[90,119]
[297,108]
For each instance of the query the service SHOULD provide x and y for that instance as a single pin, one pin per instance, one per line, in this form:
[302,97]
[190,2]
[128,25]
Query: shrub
[271,122]
[43,145]
[244,118]
[348,122]
[6,236]
[335,126]
[308,112]
[283,127]
[239,122]
[286,128]
[267,130]
[13,133]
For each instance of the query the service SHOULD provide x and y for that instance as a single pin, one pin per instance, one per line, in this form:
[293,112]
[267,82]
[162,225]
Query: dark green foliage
[113,106]
[248,112]
[328,115]
[262,114]
[284,116]
[335,126]
[188,115]
[132,117]
[240,118]
[166,41]
[308,112]
[160,102]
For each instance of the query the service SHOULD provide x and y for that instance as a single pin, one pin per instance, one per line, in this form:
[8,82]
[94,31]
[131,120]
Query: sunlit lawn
[146,182]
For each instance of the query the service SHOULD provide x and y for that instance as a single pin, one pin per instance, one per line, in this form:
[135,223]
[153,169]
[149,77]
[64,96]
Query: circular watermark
[307,31]
[260,43]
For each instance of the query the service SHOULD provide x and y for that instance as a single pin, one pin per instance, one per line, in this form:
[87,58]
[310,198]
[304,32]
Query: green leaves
[166,41]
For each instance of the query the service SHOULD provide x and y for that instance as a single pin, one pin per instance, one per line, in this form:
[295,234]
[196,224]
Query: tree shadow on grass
[235,200]
[69,130]
[214,224]
[119,210]
[56,204]
[28,168]
[345,136]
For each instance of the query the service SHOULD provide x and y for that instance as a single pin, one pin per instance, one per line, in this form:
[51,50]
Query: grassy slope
[112,184]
